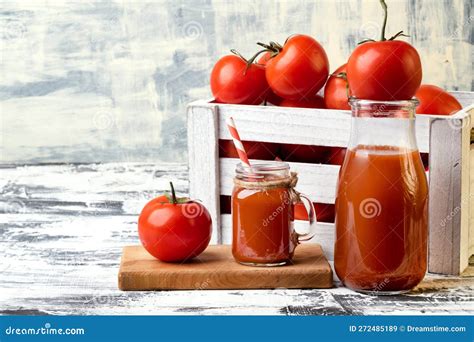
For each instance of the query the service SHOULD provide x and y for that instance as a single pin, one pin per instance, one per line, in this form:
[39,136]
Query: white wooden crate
[447,139]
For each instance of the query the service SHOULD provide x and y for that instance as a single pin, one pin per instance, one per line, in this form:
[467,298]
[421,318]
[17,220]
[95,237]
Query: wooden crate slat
[293,126]
[307,126]
[318,181]
[226,226]
[320,127]
[325,234]
[471,200]
[471,205]
[466,229]
[203,156]
[466,98]
[449,194]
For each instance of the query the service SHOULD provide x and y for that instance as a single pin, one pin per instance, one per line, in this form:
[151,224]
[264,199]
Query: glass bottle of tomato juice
[382,201]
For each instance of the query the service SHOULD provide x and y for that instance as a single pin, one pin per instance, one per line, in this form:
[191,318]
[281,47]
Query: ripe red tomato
[310,102]
[336,90]
[300,212]
[174,229]
[337,155]
[299,68]
[264,58]
[425,158]
[387,70]
[255,150]
[434,100]
[272,98]
[324,212]
[302,153]
[384,71]
[233,82]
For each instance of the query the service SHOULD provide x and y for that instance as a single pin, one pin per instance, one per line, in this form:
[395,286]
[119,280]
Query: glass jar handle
[311,217]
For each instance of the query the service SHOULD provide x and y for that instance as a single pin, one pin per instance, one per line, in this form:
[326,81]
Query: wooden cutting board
[215,268]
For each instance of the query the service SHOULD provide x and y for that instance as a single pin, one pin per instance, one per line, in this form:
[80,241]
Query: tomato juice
[381,219]
[263,225]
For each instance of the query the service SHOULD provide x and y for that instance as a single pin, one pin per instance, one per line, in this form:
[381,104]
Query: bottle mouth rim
[262,167]
[356,102]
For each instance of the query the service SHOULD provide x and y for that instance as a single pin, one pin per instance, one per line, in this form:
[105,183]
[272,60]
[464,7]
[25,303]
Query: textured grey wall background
[109,81]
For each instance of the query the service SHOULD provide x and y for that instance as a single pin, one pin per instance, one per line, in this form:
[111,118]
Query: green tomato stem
[384,6]
[173,194]
[248,62]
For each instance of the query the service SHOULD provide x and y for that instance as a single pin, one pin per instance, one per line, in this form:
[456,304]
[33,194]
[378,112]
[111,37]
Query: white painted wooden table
[62,228]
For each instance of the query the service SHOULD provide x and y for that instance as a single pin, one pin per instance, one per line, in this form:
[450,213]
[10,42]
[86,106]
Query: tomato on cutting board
[238,81]
[174,229]
[434,100]
[385,70]
[298,69]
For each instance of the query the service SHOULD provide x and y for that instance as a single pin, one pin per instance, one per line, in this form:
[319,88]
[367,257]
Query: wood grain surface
[63,227]
[215,269]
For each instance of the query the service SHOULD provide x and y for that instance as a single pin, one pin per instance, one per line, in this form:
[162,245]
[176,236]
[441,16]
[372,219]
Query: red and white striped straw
[237,142]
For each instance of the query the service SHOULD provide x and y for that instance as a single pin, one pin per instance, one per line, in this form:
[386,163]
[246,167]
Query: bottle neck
[390,123]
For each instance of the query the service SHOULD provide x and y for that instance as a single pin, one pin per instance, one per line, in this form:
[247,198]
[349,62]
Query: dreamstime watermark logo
[99,299]
[192,30]
[458,124]
[204,285]
[280,120]
[102,300]
[13,206]
[450,216]
[192,210]
[456,210]
[13,30]
[370,208]
[380,110]
[276,212]
[47,329]
[370,30]
[377,287]
[103,120]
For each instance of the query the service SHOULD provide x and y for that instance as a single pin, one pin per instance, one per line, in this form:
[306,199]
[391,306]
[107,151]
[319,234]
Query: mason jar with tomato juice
[382,201]
[263,201]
